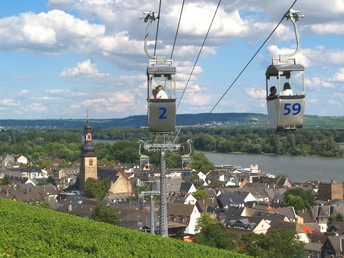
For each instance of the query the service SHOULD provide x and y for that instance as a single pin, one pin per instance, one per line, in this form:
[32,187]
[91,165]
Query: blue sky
[60,58]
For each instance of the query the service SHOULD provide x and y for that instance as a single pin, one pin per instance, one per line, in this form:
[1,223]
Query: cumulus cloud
[108,33]
[85,68]
[256,94]
[22,93]
[37,107]
[9,102]
[66,93]
[339,76]
[198,100]
[45,98]
[317,82]
[325,29]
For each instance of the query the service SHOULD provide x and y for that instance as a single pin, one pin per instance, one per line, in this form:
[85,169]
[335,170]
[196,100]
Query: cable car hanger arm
[150,17]
[294,16]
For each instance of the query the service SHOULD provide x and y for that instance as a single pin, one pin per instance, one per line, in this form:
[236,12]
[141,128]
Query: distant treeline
[35,143]
[325,142]
[63,144]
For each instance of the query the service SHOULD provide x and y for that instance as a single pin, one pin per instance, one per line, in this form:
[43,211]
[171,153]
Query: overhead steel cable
[175,37]
[199,53]
[157,28]
[204,120]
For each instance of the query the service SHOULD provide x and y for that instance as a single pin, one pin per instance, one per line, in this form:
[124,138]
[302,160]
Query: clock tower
[88,159]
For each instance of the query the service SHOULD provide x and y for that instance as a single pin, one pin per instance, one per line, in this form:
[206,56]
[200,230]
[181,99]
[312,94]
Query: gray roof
[228,199]
[180,209]
[185,187]
[172,185]
[315,247]
[307,215]
[336,226]
[205,203]
[77,208]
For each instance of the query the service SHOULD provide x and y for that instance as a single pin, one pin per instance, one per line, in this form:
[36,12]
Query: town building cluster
[244,200]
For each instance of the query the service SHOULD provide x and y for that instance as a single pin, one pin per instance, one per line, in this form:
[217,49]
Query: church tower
[88,159]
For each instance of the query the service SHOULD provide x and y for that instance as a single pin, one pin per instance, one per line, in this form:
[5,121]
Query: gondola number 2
[163,113]
[294,109]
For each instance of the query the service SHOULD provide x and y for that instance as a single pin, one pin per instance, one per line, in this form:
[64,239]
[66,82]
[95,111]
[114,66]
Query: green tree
[296,201]
[96,188]
[51,180]
[338,217]
[105,213]
[5,180]
[283,243]
[200,194]
[200,162]
[213,233]
[308,196]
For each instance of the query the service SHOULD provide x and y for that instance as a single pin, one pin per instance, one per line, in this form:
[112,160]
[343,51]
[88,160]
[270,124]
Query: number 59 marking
[163,113]
[296,108]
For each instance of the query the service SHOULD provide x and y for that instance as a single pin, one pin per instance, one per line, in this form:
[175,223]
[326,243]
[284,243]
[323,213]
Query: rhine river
[298,169]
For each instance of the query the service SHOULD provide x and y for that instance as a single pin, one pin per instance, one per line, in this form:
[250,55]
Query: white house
[201,176]
[186,214]
[21,159]
[190,199]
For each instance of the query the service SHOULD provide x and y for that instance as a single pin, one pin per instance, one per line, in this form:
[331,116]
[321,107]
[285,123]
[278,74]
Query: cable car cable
[204,120]
[175,37]
[157,28]
[199,53]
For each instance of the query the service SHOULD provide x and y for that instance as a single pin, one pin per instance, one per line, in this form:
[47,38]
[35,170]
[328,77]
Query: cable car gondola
[160,79]
[161,108]
[286,111]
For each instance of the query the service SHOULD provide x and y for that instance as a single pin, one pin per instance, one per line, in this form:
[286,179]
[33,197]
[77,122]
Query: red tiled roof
[307,229]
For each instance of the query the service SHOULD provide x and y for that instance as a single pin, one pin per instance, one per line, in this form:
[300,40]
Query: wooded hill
[237,120]
[31,231]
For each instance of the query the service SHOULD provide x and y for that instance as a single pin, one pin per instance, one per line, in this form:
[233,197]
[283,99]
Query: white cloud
[197,100]
[339,76]
[256,94]
[313,101]
[58,91]
[317,82]
[9,102]
[22,93]
[108,34]
[85,68]
[66,93]
[45,98]
[340,95]
[325,29]
[334,102]
[36,107]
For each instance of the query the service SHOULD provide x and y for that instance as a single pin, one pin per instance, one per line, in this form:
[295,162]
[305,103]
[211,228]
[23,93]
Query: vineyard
[32,231]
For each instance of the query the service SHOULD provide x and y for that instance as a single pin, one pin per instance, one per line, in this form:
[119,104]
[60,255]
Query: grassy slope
[36,232]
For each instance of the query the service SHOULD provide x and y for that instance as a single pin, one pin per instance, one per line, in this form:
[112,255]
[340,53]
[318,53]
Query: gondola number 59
[294,109]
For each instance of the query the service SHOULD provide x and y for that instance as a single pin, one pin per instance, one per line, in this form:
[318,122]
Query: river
[298,169]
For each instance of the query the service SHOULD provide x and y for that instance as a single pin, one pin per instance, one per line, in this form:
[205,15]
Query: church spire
[88,158]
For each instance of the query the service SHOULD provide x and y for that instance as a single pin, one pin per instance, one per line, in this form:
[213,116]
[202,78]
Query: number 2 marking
[296,108]
[162,116]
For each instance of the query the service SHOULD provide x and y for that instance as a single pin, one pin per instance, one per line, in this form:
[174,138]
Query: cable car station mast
[161,100]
